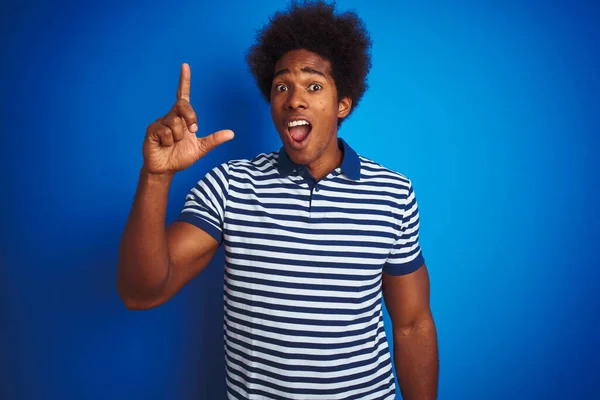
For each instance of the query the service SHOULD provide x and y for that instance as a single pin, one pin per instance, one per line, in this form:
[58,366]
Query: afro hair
[341,39]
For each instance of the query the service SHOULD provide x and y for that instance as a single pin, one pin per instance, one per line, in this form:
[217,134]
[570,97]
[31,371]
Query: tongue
[299,133]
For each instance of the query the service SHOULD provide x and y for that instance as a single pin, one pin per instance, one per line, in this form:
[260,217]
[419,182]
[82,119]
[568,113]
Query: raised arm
[155,262]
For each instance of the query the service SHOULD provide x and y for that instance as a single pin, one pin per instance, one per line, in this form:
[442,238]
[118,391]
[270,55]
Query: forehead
[296,60]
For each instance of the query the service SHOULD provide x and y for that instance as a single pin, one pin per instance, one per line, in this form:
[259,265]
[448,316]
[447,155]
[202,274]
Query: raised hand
[171,143]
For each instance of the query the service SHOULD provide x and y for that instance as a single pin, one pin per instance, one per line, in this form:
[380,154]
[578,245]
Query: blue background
[492,109]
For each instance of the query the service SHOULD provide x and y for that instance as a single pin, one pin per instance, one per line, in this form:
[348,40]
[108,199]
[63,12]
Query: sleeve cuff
[406,268]
[202,224]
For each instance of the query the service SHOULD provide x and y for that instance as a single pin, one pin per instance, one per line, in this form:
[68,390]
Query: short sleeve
[205,203]
[406,255]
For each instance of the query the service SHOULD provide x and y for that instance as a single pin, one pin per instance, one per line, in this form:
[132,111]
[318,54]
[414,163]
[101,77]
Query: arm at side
[155,262]
[415,339]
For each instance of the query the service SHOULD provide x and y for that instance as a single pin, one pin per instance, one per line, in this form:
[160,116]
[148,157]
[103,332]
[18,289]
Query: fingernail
[193,128]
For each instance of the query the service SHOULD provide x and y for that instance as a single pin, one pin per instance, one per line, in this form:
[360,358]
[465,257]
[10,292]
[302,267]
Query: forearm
[143,255]
[416,360]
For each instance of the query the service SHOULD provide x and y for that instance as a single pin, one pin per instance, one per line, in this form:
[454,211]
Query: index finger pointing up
[183,92]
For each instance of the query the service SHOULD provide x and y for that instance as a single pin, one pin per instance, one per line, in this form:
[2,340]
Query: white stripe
[309,269]
[297,338]
[313,225]
[302,327]
[305,385]
[302,292]
[308,317]
[302,374]
[308,351]
[233,196]
[307,236]
[370,353]
[290,244]
[276,255]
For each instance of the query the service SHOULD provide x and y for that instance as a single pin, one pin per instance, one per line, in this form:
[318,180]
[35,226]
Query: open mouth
[299,131]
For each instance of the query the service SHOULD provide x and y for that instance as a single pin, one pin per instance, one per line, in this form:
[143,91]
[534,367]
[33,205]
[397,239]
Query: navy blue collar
[350,162]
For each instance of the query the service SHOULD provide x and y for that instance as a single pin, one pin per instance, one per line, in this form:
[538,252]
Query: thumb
[207,143]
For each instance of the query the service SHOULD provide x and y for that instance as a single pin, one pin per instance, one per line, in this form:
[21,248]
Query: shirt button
[316,188]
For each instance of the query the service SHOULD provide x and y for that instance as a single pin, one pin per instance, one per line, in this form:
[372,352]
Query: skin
[414,334]
[157,262]
[303,87]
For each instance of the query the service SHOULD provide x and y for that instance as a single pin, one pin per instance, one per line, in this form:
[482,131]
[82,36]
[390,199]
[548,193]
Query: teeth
[297,123]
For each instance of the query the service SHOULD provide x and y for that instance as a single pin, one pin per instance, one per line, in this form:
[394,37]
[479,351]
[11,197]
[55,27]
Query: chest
[312,227]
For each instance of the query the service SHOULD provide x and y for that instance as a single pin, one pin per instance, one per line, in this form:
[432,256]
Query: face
[305,107]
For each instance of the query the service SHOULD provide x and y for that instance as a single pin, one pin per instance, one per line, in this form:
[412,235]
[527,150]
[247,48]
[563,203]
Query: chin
[299,156]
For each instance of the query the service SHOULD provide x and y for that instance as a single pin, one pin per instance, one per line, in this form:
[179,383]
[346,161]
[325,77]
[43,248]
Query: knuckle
[185,110]
[181,105]
[154,129]
[164,131]
[178,134]
[170,122]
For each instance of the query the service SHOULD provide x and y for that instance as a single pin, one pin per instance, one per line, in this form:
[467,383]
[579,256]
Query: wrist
[152,177]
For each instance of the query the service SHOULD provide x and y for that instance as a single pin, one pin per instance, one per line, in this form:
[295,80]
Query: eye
[315,87]
[281,88]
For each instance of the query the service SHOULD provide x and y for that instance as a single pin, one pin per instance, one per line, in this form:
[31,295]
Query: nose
[296,100]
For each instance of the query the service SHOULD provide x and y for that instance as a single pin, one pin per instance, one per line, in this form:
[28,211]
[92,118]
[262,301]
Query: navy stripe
[308,310]
[302,321]
[253,179]
[404,255]
[197,221]
[305,286]
[384,385]
[372,183]
[233,392]
[209,210]
[315,380]
[323,195]
[318,253]
[300,274]
[236,182]
[371,166]
[253,335]
[369,196]
[408,244]
[254,358]
[304,297]
[302,263]
[405,268]
[222,188]
[315,221]
[298,332]
[312,231]
[282,193]
[237,233]
[351,211]
[266,206]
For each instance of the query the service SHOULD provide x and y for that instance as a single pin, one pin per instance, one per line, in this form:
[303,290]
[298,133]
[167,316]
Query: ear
[344,107]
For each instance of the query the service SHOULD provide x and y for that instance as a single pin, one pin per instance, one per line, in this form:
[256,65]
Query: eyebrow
[308,70]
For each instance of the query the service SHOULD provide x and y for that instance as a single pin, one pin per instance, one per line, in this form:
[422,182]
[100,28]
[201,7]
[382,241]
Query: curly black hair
[341,39]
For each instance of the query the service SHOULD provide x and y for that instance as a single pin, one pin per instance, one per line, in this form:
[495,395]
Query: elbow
[137,300]
[137,293]
[420,326]
[136,303]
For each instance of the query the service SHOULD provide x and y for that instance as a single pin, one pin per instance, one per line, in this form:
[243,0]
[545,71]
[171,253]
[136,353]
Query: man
[314,234]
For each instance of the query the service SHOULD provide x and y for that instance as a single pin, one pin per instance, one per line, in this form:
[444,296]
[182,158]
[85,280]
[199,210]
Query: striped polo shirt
[303,265]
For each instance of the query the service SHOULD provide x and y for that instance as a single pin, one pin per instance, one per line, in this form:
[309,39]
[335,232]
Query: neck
[330,159]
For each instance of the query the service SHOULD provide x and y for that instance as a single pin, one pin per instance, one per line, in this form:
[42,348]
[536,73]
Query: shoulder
[261,164]
[374,172]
